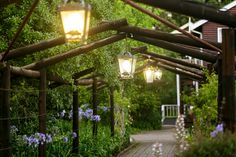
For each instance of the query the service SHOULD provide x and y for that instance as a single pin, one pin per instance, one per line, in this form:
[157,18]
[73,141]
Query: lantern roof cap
[74,6]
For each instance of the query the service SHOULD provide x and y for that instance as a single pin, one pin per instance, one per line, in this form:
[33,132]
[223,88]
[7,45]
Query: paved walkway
[142,144]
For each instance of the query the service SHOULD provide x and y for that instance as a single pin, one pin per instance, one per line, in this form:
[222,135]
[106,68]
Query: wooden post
[112,121]
[5,148]
[220,91]
[229,108]
[94,105]
[42,110]
[181,106]
[75,148]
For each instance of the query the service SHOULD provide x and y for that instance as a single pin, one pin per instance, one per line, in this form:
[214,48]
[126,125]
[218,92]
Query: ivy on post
[112,121]
[228,80]
[42,110]
[75,148]
[5,147]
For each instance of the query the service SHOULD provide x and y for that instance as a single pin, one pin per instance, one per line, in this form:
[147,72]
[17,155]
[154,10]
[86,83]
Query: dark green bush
[147,112]
[220,146]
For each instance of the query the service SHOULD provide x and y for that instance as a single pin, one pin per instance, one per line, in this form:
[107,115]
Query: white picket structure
[169,111]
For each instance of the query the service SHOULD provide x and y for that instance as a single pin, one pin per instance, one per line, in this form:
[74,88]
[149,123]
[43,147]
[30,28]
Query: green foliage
[145,103]
[147,113]
[101,146]
[221,146]
[122,118]
[204,105]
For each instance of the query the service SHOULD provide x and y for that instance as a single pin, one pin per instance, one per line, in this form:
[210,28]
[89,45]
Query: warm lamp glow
[127,65]
[149,75]
[75,20]
[157,74]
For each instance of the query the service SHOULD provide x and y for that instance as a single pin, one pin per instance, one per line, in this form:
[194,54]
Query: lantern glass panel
[75,20]
[126,65]
[157,74]
[149,75]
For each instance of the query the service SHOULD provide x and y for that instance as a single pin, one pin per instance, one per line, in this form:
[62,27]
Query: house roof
[198,23]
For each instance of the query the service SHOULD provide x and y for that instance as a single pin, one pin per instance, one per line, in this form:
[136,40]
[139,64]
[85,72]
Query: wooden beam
[85,82]
[228,80]
[166,36]
[155,55]
[19,30]
[42,110]
[177,48]
[194,9]
[75,52]
[5,3]
[171,25]
[100,85]
[23,51]
[82,73]
[5,85]
[35,74]
[180,72]
[107,25]
[171,69]
[178,66]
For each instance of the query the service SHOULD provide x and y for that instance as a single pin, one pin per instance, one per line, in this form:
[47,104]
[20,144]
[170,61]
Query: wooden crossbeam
[169,63]
[82,73]
[75,52]
[180,72]
[30,49]
[143,50]
[197,10]
[170,68]
[169,24]
[177,48]
[166,36]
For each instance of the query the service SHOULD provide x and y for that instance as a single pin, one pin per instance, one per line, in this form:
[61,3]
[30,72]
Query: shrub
[223,145]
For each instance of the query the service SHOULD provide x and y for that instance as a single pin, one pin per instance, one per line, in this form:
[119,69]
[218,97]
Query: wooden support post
[94,105]
[5,147]
[42,110]
[181,106]
[75,148]
[220,91]
[112,120]
[229,108]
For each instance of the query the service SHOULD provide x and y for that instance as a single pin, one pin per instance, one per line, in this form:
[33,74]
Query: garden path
[142,143]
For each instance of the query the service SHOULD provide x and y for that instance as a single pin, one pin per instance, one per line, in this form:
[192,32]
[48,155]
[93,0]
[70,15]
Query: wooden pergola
[222,55]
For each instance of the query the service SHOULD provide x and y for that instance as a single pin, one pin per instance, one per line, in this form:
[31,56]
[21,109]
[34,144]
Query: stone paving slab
[142,143]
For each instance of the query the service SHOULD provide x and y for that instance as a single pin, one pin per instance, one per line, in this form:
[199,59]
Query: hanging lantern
[75,19]
[149,74]
[157,74]
[127,65]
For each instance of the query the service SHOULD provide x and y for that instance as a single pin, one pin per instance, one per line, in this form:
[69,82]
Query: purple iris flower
[214,133]
[219,128]
[96,118]
[65,139]
[74,135]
